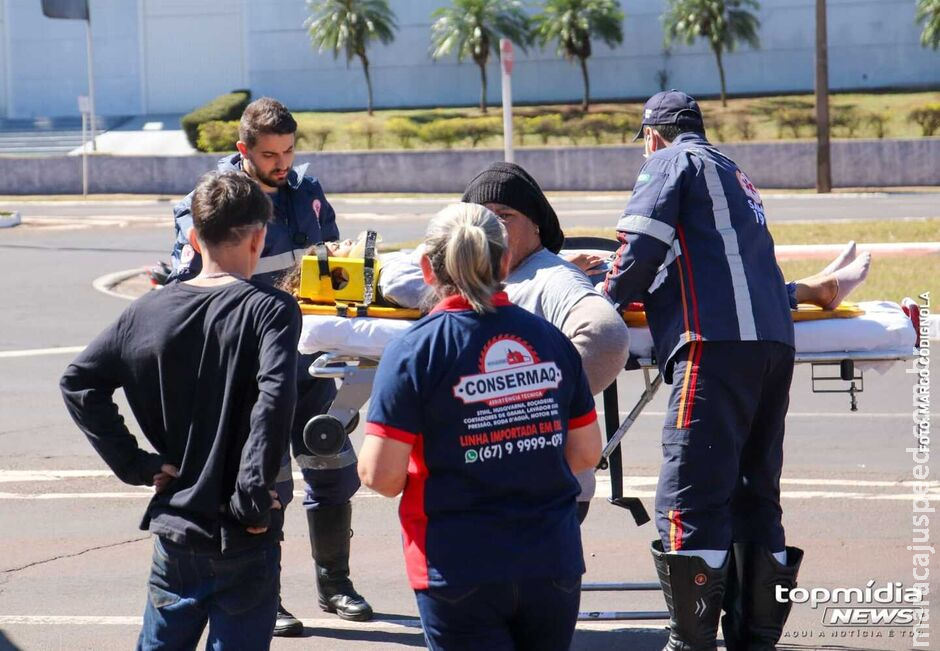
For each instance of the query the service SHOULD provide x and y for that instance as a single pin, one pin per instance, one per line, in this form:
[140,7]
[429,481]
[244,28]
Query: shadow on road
[412,638]
[635,639]
[5,644]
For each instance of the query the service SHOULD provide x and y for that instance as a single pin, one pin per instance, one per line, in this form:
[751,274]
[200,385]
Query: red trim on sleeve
[387,432]
[583,421]
[414,519]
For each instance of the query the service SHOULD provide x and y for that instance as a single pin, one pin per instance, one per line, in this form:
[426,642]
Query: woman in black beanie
[551,287]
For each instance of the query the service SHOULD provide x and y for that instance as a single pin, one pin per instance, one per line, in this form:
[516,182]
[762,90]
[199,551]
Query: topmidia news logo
[890,605]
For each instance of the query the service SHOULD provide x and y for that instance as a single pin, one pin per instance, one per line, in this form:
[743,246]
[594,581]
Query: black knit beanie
[512,186]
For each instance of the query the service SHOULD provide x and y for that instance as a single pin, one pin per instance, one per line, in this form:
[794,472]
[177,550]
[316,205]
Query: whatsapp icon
[471,456]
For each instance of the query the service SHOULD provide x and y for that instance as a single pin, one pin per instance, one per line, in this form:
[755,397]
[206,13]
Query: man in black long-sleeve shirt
[209,370]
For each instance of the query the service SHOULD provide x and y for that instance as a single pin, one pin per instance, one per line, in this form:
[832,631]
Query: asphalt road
[73,564]
[404,218]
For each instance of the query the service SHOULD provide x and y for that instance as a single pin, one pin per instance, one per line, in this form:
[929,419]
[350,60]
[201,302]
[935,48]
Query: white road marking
[635,486]
[142,492]
[38,352]
[50,475]
[797,414]
[603,492]
[319,623]
[855,483]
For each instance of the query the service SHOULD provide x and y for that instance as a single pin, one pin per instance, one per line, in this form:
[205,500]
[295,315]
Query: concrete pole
[91,82]
[506,61]
[823,153]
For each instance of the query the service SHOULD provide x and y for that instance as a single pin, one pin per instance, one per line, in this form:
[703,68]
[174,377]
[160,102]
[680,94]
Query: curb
[803,251]
[9,220]
[106,283]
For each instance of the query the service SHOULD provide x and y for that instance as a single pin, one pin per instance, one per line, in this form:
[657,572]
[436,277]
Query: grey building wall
[170,55]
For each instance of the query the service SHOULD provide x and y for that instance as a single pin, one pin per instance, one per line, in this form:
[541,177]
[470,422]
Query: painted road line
[603,492]
[10,476]
[16,476]
[143,492]
[38,352]
[854,483]
[796,414]
[318,623]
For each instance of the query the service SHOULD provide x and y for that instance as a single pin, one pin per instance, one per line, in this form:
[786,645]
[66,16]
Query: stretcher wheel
[324,436]
[353,424]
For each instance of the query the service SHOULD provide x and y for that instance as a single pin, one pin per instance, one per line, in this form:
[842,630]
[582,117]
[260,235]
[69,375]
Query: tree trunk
[721,76]
[365,69]
[823,160]
[586,102]
[483,87]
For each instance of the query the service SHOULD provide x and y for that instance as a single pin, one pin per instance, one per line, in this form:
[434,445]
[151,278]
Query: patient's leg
[828,290]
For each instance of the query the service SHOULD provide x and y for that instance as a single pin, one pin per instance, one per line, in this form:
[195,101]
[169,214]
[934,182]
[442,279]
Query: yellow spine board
[346,281]
[803,312]
[350,310]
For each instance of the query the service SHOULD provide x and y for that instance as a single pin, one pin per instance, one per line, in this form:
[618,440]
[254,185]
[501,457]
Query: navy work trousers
[723,446]
[532,615]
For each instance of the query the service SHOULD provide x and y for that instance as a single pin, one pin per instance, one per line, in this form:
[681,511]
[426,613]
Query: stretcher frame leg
[356,374]
[612,459]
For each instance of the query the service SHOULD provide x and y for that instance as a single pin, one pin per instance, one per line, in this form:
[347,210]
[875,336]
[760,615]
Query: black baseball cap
[671,107]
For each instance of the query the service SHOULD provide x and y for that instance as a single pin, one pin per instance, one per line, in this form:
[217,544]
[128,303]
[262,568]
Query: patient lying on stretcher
[402,284]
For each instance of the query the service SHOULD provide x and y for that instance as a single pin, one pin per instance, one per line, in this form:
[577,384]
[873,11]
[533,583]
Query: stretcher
[840,346]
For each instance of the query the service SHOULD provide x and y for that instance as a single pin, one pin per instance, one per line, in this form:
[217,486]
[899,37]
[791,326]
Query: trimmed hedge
[217,136]
[404,129]
[224,107]
[927,117]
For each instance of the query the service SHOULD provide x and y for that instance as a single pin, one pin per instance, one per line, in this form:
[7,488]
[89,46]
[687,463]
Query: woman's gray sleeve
[601,338]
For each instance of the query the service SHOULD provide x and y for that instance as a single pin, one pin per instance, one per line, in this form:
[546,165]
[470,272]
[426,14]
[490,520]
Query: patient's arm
[600,337]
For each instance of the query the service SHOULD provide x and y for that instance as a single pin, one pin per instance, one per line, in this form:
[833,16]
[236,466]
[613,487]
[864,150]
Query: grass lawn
[760,114]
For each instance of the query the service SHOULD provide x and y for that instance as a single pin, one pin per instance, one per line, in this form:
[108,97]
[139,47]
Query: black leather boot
[329,543]
[286,625]
[693,592]
[755,619]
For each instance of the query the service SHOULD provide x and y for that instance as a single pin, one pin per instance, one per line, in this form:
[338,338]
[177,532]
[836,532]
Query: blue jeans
[236,594]
[536,615]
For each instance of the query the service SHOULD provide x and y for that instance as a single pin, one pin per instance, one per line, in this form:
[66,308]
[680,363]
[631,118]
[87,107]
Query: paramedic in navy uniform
[696,250]
[302,216]
[481,414]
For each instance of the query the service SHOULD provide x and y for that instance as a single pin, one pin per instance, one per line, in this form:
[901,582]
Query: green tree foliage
[722,23]
[472,29]
[928,12]
[571,24]
[350,26]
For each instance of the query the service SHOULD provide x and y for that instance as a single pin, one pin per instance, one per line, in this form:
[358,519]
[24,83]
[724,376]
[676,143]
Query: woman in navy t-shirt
[480,415]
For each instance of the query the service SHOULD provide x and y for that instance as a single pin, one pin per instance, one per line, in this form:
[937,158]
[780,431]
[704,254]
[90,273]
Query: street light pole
[823,153]
[91,82]
[506,63]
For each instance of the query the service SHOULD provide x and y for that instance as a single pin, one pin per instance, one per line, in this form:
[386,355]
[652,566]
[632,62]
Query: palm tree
[929,11]
[473,28]
[721,22]
[350,26]
[572,23]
